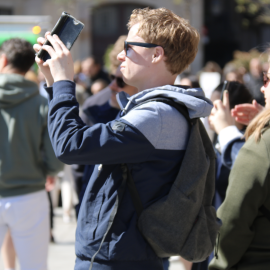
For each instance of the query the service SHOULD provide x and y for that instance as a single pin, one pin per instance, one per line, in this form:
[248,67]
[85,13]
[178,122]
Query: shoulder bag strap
[265,212]
[130,182]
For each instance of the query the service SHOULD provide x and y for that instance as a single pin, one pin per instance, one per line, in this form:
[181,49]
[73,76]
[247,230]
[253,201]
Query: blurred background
[225,25]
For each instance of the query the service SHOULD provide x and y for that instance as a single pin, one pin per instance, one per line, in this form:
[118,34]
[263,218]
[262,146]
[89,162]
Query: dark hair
[20,53]
[238,93]
[194,80]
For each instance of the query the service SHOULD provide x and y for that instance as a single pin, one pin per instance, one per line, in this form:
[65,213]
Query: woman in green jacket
[244,240]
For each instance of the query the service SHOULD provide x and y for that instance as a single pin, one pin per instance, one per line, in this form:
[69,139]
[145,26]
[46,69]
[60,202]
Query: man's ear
[3,62]
[158,55]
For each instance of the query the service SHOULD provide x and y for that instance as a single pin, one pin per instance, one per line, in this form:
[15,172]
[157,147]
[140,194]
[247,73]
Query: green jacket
[244,241]
[26,154]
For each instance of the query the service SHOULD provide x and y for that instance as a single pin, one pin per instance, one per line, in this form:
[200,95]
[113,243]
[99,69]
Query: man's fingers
[245,108]
[54,43]
[46,34]
[242,121]
[63,46]
[37,47]
[233,112]
[38,61]
[243,117]
[46,64]
[226,101]
[218,105]
[50,50]
[41,40]
[258,106]
[214,110]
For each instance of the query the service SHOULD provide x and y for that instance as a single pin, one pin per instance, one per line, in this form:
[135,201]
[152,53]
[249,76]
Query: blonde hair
[174,34]
[117,48]
[257,124]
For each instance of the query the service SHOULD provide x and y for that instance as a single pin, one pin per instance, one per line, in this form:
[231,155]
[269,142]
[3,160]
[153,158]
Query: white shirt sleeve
[228,134]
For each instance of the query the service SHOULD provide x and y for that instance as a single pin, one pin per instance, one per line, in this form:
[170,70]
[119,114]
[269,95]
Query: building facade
[105,20]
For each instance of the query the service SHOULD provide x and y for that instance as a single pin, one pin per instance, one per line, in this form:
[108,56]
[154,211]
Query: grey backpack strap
[130,182]
[265,212]
[178,106]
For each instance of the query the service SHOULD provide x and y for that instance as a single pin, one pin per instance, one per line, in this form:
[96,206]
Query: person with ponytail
[244,240]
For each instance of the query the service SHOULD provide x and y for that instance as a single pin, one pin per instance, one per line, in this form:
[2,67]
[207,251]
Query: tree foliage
[254,11]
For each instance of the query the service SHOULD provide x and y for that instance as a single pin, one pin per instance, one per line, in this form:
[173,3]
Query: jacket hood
[193,98]
[14,89]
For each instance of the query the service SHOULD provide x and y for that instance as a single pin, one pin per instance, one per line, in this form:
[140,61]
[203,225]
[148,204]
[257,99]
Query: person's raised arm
[220,117]
[230,138]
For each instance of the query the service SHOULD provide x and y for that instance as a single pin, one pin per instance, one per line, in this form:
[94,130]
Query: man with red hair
[150,137]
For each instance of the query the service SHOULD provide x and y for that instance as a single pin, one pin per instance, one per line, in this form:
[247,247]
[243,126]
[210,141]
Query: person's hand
[244,113]
[50,183]
[61,63]
[220,116]
[43,66]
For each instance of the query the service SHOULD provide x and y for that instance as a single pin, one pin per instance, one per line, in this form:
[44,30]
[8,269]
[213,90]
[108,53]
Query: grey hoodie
[26,154]
[165,123]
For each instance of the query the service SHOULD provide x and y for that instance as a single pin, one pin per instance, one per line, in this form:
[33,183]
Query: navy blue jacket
[97,114]
[150,138]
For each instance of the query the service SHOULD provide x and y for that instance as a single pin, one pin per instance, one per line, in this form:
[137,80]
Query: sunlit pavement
[62,253]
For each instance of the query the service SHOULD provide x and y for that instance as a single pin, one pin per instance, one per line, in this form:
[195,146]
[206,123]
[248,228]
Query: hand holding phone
[67,29]
[43,66]
[55,52]
[61,63]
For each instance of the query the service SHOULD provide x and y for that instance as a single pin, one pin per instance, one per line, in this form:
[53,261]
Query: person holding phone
[150,137]
[244,241]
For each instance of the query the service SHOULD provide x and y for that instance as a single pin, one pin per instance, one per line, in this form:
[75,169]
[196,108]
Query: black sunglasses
[119,81]
[141,44]
[266,79]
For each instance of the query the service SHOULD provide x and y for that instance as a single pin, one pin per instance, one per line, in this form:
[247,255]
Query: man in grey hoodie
[26,157]
[150,137]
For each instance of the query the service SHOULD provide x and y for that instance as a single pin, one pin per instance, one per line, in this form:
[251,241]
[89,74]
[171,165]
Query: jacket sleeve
[246,192]
[231,141]
[231,151]
[51,164]
[76,143]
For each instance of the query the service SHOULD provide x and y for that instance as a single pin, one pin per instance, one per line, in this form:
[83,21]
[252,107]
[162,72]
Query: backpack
[184,222]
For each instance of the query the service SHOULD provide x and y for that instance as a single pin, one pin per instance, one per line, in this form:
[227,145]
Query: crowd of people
[59,124]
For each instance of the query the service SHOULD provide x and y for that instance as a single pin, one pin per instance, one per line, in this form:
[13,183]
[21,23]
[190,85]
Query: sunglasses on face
[119,81]
[266,79]
[141,44]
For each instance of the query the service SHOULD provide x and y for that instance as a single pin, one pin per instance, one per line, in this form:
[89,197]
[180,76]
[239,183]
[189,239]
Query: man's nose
[121,56]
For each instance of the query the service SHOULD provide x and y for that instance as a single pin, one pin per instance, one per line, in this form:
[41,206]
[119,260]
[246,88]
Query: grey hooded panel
[193,98]
[161,124]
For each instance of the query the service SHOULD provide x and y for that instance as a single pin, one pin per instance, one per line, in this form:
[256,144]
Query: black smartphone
[226,86]
[67,29]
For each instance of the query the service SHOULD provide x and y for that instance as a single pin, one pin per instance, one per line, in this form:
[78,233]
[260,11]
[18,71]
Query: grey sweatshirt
[26,154]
